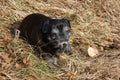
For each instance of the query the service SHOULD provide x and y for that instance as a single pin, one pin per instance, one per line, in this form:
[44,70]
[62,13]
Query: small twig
[70,66]
[7,76]
[28,57]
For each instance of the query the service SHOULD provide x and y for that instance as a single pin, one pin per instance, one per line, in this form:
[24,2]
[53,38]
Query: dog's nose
[63,44]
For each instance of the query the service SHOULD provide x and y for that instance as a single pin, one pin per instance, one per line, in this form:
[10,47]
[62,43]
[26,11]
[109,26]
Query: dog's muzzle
[63,45]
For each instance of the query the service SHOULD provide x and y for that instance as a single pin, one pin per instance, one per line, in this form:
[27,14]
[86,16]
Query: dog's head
[57,33]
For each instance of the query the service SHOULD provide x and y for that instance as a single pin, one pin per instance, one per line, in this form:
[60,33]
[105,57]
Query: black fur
[37,30]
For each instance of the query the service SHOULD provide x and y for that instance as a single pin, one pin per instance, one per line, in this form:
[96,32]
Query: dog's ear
[45,26]
[67,22]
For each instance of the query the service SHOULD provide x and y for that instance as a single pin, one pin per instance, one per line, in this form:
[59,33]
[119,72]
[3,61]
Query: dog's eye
[67,31]
[53,35]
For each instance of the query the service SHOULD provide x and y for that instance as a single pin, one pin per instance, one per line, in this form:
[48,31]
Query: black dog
[51,35]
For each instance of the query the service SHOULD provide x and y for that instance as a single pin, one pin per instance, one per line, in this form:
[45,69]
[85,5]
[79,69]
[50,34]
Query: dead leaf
[92,52]
[68,75]
[116,44]
[24,60]
[109,39]
[18,66]
[1,78]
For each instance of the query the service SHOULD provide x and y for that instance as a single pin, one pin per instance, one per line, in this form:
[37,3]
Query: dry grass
[94,22]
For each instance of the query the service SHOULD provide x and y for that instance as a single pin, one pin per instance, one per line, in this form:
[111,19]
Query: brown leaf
[24,60]
[1,77]
[92,52]
[109,39]
[68,75]
[115,45]
[18,66]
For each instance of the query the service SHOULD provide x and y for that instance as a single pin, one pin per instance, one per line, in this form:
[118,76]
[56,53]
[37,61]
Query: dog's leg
[51,60]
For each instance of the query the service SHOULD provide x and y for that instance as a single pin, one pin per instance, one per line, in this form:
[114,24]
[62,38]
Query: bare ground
[94,23]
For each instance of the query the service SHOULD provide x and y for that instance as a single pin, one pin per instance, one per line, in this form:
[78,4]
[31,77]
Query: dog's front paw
[51,60]
[69,52]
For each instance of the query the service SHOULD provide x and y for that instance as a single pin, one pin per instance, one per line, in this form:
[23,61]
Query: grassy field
[94,23]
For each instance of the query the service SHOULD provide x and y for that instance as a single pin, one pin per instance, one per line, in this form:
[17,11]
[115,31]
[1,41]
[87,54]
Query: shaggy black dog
[51,35]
